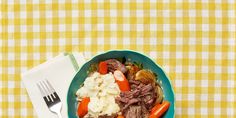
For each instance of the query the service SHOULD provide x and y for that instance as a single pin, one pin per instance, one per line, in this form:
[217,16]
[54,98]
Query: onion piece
[145,76]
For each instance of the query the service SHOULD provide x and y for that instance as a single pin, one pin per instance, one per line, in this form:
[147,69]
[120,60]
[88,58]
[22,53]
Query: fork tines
[49,94]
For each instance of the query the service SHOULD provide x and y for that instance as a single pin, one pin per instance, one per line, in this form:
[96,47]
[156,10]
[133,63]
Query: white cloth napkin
[59,71]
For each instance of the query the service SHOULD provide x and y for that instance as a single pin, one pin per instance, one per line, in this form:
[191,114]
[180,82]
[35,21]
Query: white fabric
[59,71]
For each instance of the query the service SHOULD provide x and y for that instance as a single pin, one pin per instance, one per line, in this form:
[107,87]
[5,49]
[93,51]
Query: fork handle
[59,115]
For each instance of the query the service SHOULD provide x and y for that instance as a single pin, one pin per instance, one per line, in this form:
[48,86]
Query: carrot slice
[102,67]
[121,81]
[159,109]
[83,107]
[120,116]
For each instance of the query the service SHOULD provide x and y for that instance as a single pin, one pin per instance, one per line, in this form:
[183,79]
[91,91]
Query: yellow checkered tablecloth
[194,41]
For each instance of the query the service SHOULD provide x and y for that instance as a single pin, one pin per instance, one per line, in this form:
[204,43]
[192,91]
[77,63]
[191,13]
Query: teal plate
[133,56]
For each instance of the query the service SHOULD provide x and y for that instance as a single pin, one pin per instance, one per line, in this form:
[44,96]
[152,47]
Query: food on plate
[120,116]
[120,89]
[83,107]
[114,65]
[103,67]
[102,90]
[121,80]
[159,109]
[145,76]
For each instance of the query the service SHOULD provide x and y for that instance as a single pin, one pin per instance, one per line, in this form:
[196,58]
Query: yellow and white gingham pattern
[194,41]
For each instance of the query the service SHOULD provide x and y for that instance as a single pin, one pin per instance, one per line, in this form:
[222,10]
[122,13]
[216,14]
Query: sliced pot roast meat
[114,64]
[138,102]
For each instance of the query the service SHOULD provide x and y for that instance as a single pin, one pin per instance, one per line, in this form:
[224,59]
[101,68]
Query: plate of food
[120,84]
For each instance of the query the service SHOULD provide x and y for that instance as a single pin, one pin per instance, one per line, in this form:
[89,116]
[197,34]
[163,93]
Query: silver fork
[50,97]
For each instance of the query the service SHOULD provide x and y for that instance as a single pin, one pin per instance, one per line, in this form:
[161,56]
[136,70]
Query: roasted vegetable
[120,116]
[102,67]
[139,65]
[121,81]
[145,76]
[132,70]
[159,93]
[83,107]
[93,68]
[159,109]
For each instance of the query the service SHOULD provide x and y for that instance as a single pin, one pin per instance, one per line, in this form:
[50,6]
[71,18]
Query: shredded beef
[138,102]
[133,112]
[114,64]
[106,116]
[131,101]
[131,81]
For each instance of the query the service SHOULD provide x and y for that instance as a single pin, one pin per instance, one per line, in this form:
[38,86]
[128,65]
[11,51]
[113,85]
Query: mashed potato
[102,91]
